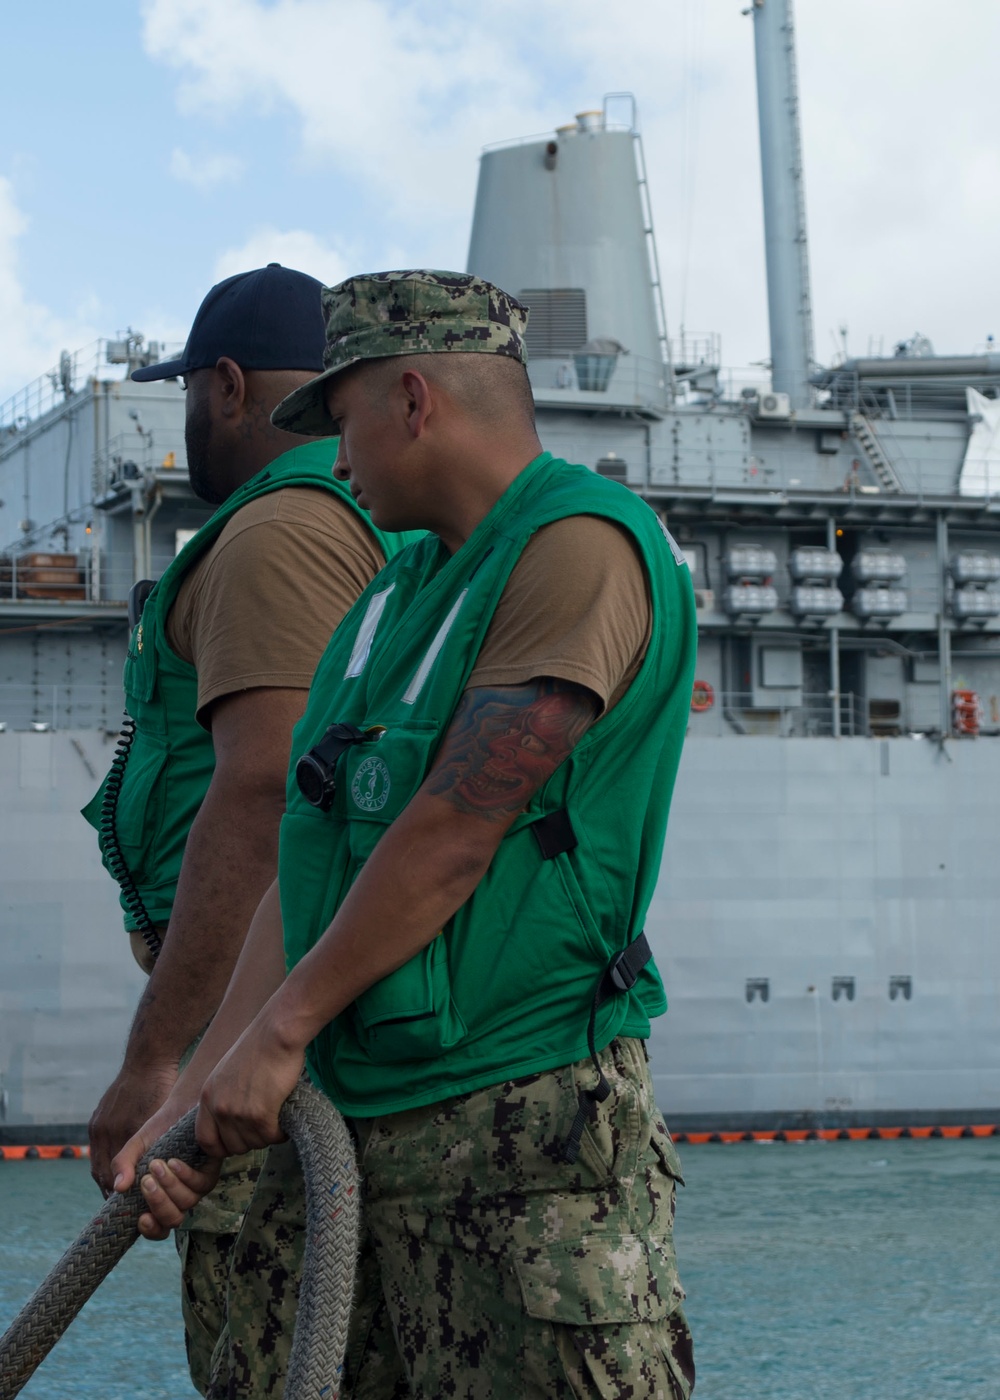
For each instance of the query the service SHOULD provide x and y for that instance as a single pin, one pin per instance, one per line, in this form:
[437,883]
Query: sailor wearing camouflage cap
[404,313]
[463,880]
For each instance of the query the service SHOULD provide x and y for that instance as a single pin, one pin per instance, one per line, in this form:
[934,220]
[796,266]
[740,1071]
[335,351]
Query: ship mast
[788,300]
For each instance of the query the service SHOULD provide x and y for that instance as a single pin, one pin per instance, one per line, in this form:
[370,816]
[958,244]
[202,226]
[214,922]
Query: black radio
[316,771]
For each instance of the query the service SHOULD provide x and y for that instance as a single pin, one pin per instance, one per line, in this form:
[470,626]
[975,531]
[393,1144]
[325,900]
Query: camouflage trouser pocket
[499,1269]
[614,1306]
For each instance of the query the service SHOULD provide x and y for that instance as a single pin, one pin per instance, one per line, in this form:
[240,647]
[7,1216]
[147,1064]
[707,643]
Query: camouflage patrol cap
[418,312]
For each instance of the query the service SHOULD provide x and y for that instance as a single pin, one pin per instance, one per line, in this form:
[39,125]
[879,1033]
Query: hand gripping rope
[326,1154]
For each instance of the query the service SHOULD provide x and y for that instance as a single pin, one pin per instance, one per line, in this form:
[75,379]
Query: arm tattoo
[503,743]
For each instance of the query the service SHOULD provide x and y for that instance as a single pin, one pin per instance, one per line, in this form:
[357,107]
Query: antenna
[66,372]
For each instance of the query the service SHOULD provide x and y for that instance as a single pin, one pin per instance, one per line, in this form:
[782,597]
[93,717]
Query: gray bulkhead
[68,982]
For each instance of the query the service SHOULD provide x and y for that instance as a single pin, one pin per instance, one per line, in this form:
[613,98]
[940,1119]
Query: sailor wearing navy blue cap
[270,318]
[217,675]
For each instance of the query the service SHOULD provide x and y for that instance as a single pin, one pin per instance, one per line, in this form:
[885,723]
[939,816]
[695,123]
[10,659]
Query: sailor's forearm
[259,972]
[230,860]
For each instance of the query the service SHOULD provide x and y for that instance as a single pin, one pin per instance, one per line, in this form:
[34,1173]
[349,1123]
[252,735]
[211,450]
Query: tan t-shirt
[576,607]
[259,608]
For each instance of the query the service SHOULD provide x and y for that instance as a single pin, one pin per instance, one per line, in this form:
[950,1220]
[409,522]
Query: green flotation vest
[169,768]
[506,989]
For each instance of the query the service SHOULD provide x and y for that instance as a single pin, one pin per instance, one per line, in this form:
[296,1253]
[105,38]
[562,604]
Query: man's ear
[418,402]
[230,386]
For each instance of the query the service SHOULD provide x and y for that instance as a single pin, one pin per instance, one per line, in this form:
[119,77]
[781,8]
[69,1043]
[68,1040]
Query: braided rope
[333,1223]
[326,1153]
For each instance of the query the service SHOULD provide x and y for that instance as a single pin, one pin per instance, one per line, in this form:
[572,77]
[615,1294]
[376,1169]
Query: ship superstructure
[825,916]
[93,495]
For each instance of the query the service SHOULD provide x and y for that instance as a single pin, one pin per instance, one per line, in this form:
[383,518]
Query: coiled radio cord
[112,846]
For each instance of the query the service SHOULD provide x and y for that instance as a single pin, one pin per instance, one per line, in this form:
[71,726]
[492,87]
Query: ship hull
[825,924]
[68,982]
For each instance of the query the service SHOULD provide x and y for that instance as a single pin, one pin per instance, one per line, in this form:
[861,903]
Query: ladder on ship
[875,453]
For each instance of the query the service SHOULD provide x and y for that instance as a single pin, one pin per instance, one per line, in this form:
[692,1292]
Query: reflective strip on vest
[366,633]
[424,669]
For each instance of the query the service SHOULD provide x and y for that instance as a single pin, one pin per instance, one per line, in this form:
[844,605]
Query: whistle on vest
[316,771]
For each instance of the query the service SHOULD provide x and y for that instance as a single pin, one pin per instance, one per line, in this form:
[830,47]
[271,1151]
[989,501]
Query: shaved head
[431,441]
[491,390]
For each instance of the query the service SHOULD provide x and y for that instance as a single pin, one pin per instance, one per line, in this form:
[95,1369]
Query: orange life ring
[702,697]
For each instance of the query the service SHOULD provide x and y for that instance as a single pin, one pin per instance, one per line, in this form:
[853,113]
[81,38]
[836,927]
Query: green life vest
[171,762]
[506,989]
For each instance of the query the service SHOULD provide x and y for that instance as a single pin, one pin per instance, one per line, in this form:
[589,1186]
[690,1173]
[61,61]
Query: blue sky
[148,148]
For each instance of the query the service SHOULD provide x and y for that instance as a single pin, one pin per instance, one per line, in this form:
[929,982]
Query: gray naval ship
[826,917]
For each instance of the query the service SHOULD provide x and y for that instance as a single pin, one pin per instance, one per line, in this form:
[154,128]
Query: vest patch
[371,785]
[680,558]
[366,633]
[433,651]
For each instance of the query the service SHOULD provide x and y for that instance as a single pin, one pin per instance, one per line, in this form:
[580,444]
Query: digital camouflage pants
[240,1285]
[490,1268]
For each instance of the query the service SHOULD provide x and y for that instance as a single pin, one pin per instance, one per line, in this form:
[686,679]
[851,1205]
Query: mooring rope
[326,1153]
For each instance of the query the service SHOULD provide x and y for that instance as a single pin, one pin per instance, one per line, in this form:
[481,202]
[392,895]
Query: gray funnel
[560,223]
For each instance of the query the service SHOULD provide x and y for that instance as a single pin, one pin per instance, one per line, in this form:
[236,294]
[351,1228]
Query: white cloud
[204,172]
[399,95]
[294,248]
[32,335]
[387,95]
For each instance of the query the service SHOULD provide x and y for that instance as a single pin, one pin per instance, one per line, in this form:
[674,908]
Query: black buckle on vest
[620,975]
[622,972]
[316,771]
[554,834]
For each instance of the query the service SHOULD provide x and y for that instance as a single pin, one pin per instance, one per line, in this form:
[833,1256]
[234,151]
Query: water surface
[814,1271]
[821,1271]
[127,1343]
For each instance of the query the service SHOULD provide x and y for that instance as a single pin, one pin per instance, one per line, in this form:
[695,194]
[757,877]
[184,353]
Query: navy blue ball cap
[271,318]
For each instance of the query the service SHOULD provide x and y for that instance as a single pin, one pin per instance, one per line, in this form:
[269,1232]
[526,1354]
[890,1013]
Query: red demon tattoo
[503,744]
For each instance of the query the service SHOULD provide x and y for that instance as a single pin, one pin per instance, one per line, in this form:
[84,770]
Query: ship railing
[90,575]
[42,708]
[110,579]
[102,359]
[33,576]
[626,128]
[129,456]
[30,576]
[86,576]
[599,380]
[734,379]
[899,397]
[808,716]
[770,474]
[696,348]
